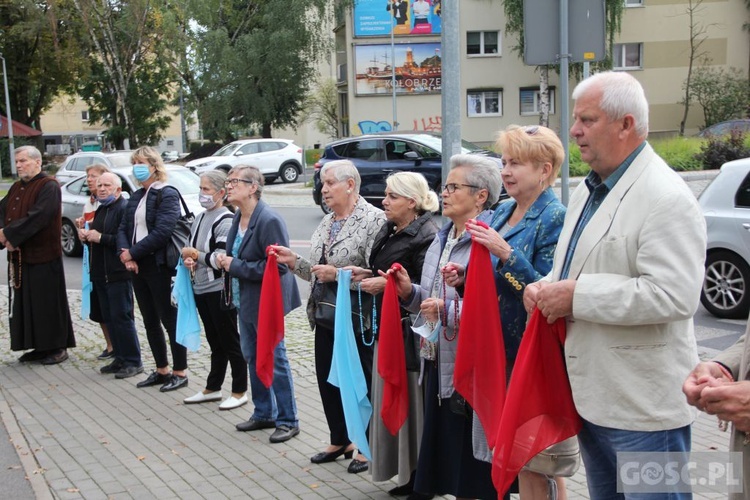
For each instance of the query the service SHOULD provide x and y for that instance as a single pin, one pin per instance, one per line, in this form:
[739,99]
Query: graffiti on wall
[424,124]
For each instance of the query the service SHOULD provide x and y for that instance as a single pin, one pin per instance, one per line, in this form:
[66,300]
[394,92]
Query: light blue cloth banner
[86,286]
[188,330]
[346,369]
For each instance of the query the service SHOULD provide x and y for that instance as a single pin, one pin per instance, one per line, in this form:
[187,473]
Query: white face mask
[428,331]
[206,200]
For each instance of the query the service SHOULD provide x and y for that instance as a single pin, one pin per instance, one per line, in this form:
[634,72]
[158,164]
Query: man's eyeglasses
[234,182]
[451,188]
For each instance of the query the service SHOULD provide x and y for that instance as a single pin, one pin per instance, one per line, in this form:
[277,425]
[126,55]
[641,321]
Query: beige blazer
[639,265]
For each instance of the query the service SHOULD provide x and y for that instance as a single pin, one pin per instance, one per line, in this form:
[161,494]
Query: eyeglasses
[451,188]
[234,182]
[531,129]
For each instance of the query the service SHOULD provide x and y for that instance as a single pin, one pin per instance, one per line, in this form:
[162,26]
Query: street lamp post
[393,74]
[11,146]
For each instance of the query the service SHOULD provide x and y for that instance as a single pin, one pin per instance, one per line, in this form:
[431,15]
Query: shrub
[679,152]
[719,150]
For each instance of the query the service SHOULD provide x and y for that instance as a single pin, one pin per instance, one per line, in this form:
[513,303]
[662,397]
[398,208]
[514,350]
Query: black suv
[378,155]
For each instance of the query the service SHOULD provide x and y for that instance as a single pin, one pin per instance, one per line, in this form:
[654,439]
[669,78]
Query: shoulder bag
[180,234]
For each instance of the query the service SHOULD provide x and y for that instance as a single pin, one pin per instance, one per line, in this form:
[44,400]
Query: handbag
[458,405]
[180,234]
[325,307]
[561,459]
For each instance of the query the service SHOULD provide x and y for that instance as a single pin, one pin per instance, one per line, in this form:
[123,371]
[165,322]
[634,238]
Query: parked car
[378,155]
[274,158]
[75,165]
[168,156]
[724,128]
[75,193]
[726,207]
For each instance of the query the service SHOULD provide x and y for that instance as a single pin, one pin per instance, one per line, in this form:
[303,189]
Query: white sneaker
[231,402]
[202,398]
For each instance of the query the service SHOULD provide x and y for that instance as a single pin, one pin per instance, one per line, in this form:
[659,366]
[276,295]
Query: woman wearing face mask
[143,236]
[208,239]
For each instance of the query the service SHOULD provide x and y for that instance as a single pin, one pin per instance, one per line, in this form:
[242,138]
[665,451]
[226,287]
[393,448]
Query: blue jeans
[116,307]
[276,403]
[599,448]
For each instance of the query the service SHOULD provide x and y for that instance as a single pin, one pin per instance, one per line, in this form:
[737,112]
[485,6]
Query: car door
[741,216]
[270,157]
[400,157]
[367,155]
[247,155]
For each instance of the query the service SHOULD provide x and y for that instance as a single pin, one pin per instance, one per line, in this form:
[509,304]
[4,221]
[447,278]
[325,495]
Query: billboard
[418,69]
[405,17]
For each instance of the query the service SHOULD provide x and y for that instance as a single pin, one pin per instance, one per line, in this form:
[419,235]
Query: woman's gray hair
[250,174]
[414,186]
[32,152]
[621,95]
[216,178]
[481,171]
[343,170]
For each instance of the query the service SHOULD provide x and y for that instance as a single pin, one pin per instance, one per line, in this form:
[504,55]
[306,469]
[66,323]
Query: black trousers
[224,339]
[330,395]
[152,287]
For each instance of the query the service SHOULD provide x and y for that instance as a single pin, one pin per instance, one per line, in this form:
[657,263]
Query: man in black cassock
[30,227]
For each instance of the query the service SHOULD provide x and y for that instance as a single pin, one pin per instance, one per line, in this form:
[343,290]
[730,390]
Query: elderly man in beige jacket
[627,276]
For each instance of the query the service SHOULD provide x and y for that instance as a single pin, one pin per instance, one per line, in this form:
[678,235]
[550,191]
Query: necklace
[362,321]
[445,315]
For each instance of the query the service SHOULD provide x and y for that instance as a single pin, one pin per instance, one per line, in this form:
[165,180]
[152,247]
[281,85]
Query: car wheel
[288,173]
[325,208]
[71,245]
[725,287]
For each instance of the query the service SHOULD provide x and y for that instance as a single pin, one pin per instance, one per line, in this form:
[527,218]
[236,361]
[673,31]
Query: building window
[85,116]
[170,142]
[483,43]
[628,56]
[633,3]
[485,102]
[530,98]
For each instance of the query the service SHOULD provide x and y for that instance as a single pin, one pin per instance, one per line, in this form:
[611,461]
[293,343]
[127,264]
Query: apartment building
[497,88]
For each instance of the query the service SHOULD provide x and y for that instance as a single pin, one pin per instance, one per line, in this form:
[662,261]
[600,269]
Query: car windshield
[227,150]
[120,160]
[184,180]
[436,143]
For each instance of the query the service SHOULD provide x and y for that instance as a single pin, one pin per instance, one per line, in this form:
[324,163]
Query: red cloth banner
[539,409]
[270,320]
[479,374]
[392,360]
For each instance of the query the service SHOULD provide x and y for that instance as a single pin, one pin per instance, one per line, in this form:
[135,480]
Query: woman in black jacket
[111,280]
[409,231]
[145,232]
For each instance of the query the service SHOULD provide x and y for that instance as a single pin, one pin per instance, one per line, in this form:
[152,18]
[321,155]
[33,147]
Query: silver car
[76,192]
[75,164]
[726,207]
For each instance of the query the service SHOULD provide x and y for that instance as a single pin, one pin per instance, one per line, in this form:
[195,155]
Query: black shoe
[106,354]
[155,378]
[419,496]
[35,355]
[176,382]
[330,456]
[254,425]
[403,490]
[283,433]
[114,367]
[357,466]
[128,371]
[55,357]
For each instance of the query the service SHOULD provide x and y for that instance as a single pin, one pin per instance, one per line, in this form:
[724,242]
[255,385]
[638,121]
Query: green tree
[132,66]
[722,93]
[321,108]
[252,63]
[40,43]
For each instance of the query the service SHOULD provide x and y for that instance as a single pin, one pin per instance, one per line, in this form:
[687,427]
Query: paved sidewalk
[80,434]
